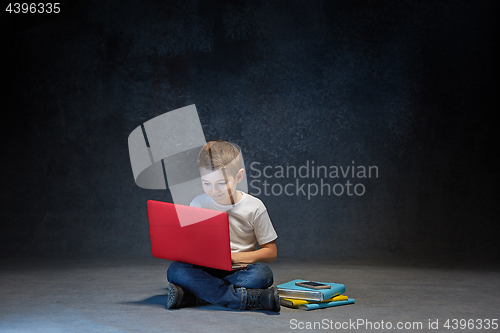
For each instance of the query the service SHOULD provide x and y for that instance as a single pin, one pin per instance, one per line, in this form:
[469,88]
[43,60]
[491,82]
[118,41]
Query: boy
[219,163]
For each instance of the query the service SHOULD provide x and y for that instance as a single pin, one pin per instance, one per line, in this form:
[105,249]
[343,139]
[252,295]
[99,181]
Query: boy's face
[218,187]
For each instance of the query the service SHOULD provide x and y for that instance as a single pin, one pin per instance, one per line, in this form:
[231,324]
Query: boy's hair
[217,155]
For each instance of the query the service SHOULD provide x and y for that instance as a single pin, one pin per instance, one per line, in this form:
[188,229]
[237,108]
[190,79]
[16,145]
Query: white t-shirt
[249,222]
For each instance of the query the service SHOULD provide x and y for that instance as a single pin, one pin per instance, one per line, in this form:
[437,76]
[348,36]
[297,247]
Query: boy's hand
[235,258]
[266,253]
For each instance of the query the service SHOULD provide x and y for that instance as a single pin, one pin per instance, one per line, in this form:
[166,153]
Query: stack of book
[303,298]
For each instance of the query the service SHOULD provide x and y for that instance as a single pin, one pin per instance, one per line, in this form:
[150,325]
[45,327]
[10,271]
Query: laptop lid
[189,234]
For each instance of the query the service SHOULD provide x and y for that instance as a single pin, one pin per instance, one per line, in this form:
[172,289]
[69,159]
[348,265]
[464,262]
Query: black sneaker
[263,299]
[180,298]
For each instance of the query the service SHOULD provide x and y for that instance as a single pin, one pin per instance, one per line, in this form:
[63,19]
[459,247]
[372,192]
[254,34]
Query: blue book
[290,290]
[314,306]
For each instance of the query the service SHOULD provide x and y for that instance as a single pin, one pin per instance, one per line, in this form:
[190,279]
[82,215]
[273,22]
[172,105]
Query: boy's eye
[206,184]
[222,183]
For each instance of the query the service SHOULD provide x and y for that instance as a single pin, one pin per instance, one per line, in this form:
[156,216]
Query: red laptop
[189,234]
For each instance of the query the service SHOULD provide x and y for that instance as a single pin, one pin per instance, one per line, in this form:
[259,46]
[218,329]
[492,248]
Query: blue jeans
[219,287]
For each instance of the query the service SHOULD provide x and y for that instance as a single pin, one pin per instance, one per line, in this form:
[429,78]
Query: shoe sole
[277,299]
[173,296]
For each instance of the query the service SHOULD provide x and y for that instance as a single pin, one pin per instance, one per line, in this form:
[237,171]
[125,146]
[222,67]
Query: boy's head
[218,155]
[220,168]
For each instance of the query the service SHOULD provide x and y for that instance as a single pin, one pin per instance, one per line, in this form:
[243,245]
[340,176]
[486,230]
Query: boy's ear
[239,175]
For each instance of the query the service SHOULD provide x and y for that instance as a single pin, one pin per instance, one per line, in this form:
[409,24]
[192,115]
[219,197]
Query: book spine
[301,294]
[314,306]
[287,303]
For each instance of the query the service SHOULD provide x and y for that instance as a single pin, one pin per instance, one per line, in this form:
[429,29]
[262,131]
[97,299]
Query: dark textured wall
[408,86]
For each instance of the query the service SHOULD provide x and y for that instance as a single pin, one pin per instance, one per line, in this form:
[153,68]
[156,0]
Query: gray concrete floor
[118,295]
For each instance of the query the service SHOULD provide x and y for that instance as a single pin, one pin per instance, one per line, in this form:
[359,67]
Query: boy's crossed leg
[243,289]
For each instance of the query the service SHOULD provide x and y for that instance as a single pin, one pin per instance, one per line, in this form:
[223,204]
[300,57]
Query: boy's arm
[267,253]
